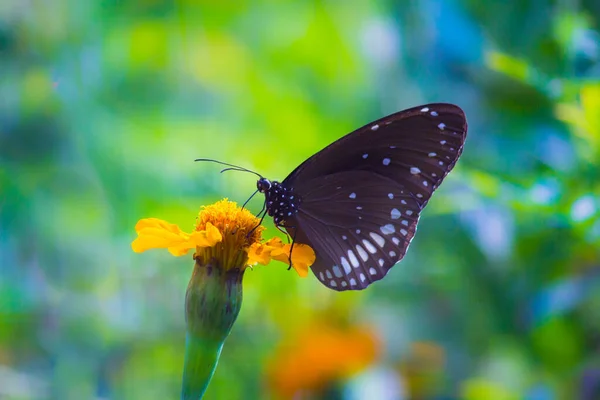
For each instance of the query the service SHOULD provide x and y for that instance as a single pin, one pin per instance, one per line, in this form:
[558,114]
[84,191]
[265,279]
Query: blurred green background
[105,104]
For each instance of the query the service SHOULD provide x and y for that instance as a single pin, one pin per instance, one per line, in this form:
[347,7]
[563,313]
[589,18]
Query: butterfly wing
[362,195]
[365,229]
[417,148]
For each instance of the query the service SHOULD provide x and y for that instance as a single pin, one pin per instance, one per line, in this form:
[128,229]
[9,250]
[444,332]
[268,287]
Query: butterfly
[358,201]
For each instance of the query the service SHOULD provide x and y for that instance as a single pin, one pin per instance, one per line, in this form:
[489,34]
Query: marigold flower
[226,240]
[226,224]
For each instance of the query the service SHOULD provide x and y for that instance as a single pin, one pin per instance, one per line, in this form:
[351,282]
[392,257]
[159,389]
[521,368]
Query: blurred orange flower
[318,355]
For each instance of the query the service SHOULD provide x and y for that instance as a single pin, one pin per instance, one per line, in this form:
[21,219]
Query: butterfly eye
[263,185]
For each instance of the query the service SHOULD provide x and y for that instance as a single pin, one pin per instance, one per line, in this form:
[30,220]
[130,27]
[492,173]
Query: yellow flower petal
[206,238]
[154,233]
[259,253]
[156,223]
[182,249]
[303,255]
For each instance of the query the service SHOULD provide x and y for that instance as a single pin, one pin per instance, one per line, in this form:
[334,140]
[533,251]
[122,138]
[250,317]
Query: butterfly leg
[292,247]
[282,231]
[261,210]
[278,226]
[264,213]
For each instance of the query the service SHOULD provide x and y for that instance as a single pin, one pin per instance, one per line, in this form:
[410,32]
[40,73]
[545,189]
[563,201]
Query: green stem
[212,304]
[201,357]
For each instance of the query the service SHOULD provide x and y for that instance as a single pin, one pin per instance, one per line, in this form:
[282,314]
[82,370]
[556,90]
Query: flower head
[223,232]
[226,240]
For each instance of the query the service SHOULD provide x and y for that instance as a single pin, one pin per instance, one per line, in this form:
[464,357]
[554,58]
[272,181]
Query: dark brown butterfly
[357,202]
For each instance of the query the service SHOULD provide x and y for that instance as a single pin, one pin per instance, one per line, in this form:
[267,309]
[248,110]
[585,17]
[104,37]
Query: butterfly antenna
[249,198]
[233,169]
[232,166]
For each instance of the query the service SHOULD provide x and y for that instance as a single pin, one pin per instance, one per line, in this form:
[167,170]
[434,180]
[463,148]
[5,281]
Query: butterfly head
[263,185]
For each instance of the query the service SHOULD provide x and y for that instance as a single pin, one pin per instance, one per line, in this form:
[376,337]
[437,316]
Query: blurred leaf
[510,66]
[479,389]
[558,344]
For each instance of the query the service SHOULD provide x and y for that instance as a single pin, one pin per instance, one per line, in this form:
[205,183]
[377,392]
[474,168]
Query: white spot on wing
[322,276]
[404,222]
[344,284]
[425,183]
[408,212]
[375,127]
[328,273]
[365,156]
[396,241]
[363,277]
[372,271]
[370,248]
[442,142]
[442,126]
[358,231]
[377,238]
[344,237]
[419,195]
[404,232]
[424,109]
[390,196]
[352,282]
[434,114]
[432,154]
[352,195]
[353,260]
[346,265]
[387,229]
[362,253]
[381,262]
[415,170]
[392,254]
[333,283]
[395,214]
[337,271]
[403,202]
[386,161]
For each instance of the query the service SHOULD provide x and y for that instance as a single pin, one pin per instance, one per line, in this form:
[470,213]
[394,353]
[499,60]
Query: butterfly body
[357,202]
[280,201]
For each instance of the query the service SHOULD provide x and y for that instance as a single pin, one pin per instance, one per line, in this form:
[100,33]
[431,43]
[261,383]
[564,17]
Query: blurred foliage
[105,104]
